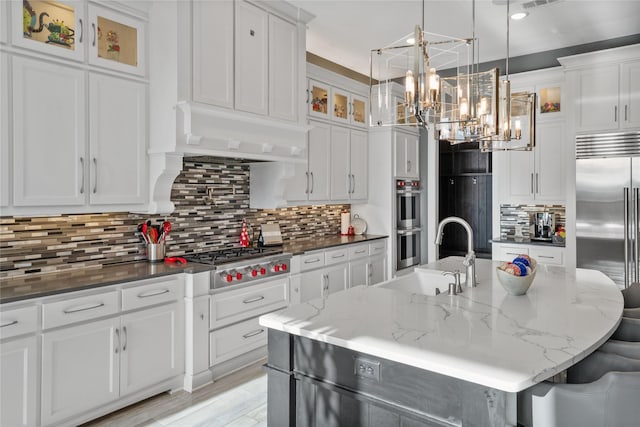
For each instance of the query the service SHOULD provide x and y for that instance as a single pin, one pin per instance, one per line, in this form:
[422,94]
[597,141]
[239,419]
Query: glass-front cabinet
[52,27]
[116,41]
[349,108]
[319,99]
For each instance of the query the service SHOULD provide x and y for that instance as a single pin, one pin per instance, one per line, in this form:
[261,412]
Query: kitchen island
[379,356]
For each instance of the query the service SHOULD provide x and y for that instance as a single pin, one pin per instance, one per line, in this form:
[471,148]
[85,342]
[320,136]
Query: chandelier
[470,106]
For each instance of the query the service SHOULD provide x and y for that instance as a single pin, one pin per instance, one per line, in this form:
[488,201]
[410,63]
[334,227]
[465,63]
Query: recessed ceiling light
[411,40]
[519,15]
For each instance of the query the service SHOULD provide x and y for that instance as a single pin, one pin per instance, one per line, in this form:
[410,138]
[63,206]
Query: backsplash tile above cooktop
[199,223]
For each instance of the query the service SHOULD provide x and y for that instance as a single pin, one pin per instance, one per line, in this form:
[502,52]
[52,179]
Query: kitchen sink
[421,281]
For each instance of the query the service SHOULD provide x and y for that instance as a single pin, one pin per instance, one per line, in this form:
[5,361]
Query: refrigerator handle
[626,237]
[636,210]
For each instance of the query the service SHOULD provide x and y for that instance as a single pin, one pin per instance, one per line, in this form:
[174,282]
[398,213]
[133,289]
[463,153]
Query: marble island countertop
[483,335]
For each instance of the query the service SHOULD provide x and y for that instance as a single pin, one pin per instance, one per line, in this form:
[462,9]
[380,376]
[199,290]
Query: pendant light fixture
[516,113]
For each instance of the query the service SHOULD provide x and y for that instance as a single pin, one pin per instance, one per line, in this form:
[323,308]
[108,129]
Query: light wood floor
[238,400]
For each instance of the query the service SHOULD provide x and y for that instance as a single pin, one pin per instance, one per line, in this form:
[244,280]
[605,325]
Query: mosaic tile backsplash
[514,216]
[199,223]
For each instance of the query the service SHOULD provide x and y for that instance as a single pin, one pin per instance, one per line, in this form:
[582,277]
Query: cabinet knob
[252,33]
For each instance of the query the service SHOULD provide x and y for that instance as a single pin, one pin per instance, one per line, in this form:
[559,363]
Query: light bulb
[518,129]
[410,87]
[464,108]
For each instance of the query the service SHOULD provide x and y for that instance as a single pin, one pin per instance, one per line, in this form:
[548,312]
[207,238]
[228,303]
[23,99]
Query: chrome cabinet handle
[625,112]
[615,113]
[626,236]
[353,188]
[76,310]
[254,299]
[545,256]
[95,171]
[117,336]
[361,251]
[126,338]
[636,244]
[313,181]
[306,191]
[82,168]
[81,30]
[12,322]
[532,183]
[153,293]
[307,96]
[253,333]
[312,260]
[337,256]
[201,316]
[93,27]
[537,186]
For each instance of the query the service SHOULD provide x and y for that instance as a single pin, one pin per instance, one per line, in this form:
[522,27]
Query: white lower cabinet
[359,272]
[151,347]
[80,368]
[377,271]
[18,388]
[543,254]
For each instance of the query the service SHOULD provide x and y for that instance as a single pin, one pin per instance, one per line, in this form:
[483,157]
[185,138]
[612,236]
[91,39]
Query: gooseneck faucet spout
[470,258]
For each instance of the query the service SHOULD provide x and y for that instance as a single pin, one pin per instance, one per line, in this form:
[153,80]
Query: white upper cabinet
[251,58]
[283,91]
[311,180]
[407,158]
[117,41]
[349,170]
[213,79]
[609,97]
[349,108]
[5,96]
[538,175]
[4,16]
[49,119]
[319,99]
[52,27]
[630,94]
[117,142]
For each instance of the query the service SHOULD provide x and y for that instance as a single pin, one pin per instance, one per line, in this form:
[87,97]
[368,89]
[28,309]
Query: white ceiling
[345,31]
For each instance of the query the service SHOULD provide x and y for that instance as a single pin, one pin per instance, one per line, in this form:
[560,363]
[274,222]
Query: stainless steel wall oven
[407,223]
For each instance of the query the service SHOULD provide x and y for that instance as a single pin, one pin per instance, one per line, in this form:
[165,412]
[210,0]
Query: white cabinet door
[407,160]
[55,28]
[359,111]
[117,40]
[4,21]
[550,164]
[49,117]
[319,161]
[4,128]
[630,94]
[598,93]
[376,273]
[18,365]
[213,52]
[80,368]
[340,172]
[152,347]
[358,272]
[251,58]
[283,93]
[341,106]
[312,285]
[520,176]
[319,99]
[118,140]
[359,158]
[336,278]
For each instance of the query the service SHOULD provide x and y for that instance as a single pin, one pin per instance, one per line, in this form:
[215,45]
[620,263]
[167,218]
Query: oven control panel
[231,275]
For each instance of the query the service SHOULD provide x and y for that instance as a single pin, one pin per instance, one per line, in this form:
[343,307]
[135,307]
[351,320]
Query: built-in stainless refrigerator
[608,205]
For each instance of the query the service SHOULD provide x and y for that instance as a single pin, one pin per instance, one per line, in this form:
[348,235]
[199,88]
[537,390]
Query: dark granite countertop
[528,242]
[300,246]
[41,285]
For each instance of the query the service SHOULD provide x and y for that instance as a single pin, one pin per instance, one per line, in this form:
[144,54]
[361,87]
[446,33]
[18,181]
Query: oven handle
[408,232]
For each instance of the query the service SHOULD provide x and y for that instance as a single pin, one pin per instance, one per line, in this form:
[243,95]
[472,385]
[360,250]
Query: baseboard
[194,382]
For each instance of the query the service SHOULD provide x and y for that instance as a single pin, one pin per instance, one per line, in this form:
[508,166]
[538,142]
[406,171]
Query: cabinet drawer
[234,340]
[508,253]
[377,248]
[358,251]
[311,260]
[545,255]
[234,306]
[335,256]
[18,321]
[79,309]
[157,292]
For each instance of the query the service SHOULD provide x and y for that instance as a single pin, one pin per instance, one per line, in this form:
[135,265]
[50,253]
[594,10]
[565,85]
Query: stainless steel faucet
[470,259]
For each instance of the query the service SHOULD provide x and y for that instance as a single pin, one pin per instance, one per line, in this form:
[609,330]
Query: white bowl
[516,285]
